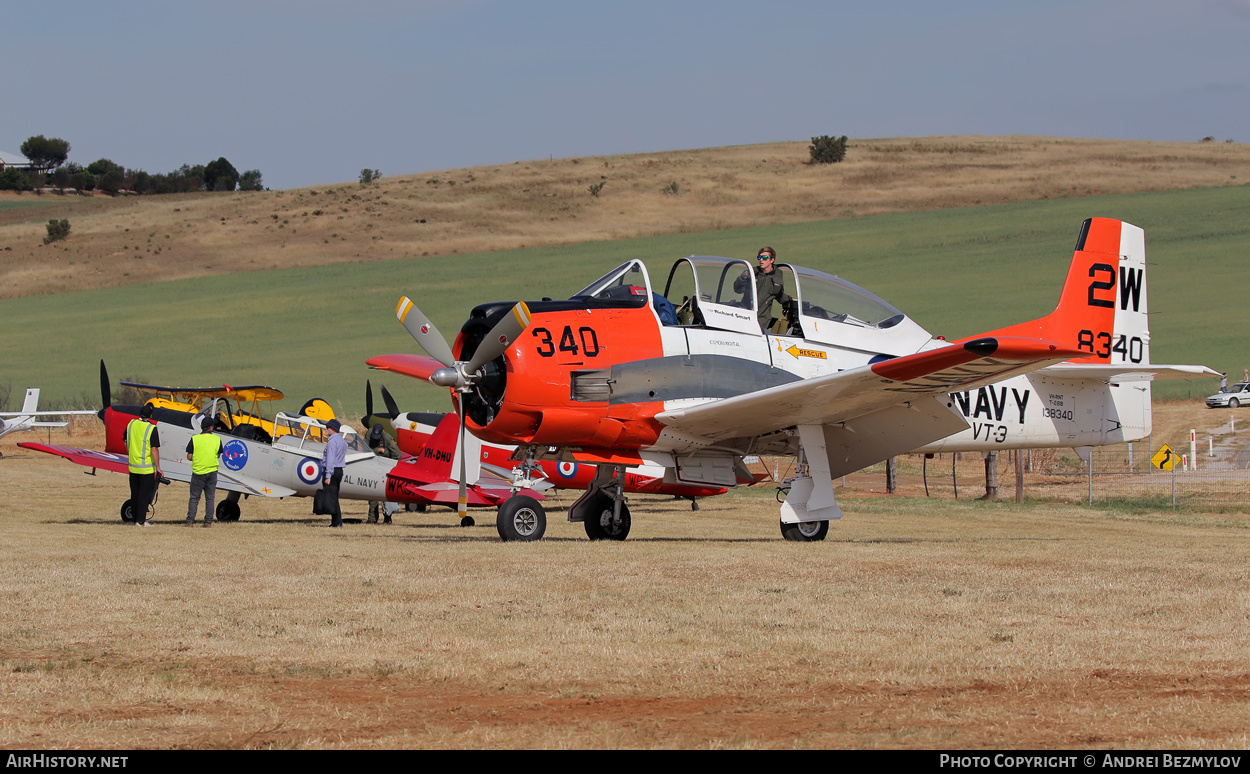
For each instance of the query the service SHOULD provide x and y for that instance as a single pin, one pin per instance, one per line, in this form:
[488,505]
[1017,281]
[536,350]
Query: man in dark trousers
[143,449]
[383,446]
[333,460]
[203,450]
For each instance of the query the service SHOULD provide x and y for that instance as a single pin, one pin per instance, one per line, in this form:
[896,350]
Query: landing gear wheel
[805,531]
[694,504]
[1233,403]
[522,519]
[601,526]
[128,512]
[467,521]
[228,511]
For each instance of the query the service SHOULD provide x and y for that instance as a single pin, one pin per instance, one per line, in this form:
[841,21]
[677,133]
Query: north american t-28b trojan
[620,374]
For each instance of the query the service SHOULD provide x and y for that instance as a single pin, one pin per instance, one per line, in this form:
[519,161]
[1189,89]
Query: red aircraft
[412,430]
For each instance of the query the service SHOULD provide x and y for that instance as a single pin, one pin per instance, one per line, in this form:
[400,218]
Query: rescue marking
[798,352]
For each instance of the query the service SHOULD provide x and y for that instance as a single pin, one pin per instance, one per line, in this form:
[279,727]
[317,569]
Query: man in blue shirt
[333,460]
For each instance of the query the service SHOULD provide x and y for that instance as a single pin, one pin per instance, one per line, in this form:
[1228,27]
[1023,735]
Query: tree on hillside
[251,181]
[101,167]
[220,175]
[45,152]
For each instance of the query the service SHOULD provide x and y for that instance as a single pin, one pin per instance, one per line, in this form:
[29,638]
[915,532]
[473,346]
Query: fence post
[891,475]
[1019,476]
[991,476]
[1089,465]
[1173,483]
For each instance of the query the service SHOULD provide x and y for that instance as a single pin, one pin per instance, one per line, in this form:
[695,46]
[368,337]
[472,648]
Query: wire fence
[1210,475]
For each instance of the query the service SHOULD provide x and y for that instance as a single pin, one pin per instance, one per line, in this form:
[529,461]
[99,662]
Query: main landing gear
[602,509]
[521,518]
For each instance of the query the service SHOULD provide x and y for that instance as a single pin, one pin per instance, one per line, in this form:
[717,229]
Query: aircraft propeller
[106,392]
[461,375]
[391,406]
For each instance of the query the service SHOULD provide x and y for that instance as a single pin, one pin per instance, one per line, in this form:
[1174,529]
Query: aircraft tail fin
[1102,308]
[438,459]
[31,404]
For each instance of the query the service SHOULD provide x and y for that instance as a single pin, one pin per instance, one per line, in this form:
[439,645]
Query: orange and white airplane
[623,374]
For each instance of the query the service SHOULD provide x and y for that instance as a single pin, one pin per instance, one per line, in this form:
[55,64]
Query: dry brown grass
[538,203]
[918,624]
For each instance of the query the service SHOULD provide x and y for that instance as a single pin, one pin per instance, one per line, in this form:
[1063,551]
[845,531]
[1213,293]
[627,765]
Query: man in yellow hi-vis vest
[143,447]
[204,450]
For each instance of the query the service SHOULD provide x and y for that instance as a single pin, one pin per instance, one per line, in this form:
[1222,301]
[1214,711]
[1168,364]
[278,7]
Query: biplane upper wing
[247,393]
[905,385]
[178,471]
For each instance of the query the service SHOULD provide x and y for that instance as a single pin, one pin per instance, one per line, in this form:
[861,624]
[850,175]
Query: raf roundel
[309,470]
[566,469]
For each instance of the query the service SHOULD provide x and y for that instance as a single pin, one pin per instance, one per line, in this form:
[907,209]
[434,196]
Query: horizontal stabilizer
[1126,372]
[416,366]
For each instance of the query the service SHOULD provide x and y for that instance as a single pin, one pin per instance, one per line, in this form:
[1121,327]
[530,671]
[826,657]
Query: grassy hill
[307,330]
[529,204]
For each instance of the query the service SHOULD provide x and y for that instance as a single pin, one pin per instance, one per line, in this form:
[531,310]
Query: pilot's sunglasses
[764,256]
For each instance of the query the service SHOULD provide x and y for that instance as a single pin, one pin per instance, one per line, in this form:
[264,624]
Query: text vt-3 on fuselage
[681,375]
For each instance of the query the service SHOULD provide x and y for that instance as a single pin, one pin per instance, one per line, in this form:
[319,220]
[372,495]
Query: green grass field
[308,331]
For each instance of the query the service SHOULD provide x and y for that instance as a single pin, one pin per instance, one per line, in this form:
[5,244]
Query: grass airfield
[917,624]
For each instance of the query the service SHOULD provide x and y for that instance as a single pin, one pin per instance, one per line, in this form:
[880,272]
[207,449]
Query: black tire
[228,511]
[467,521]
[805,532]
[128,512]
[694,504]
[521,519]
[599,523]
[1233,403]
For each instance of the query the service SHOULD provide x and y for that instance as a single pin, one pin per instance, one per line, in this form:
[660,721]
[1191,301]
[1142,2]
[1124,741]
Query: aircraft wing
[905,387]
[237,482]
[247,393]
[117,463]
[416,366]
[88,458]
[44,413]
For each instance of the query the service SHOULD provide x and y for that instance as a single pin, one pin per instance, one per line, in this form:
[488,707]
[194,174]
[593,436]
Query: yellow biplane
[252,406]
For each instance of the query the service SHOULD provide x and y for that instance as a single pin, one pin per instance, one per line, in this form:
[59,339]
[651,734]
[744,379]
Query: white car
[1231,397]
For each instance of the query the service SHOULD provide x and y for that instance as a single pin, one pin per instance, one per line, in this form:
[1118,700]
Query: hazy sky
[312,91]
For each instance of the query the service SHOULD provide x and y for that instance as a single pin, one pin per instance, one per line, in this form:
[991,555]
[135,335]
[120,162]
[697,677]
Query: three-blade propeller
[461,375]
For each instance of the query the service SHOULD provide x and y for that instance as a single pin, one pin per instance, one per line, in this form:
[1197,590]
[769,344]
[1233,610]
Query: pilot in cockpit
[769,286]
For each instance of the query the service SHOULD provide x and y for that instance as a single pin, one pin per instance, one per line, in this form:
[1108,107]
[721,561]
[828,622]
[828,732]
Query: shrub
[57,230]
[827,149]
[13,180]
[368,176]
[595,188]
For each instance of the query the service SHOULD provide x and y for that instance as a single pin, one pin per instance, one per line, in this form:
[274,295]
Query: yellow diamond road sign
[1164,459]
